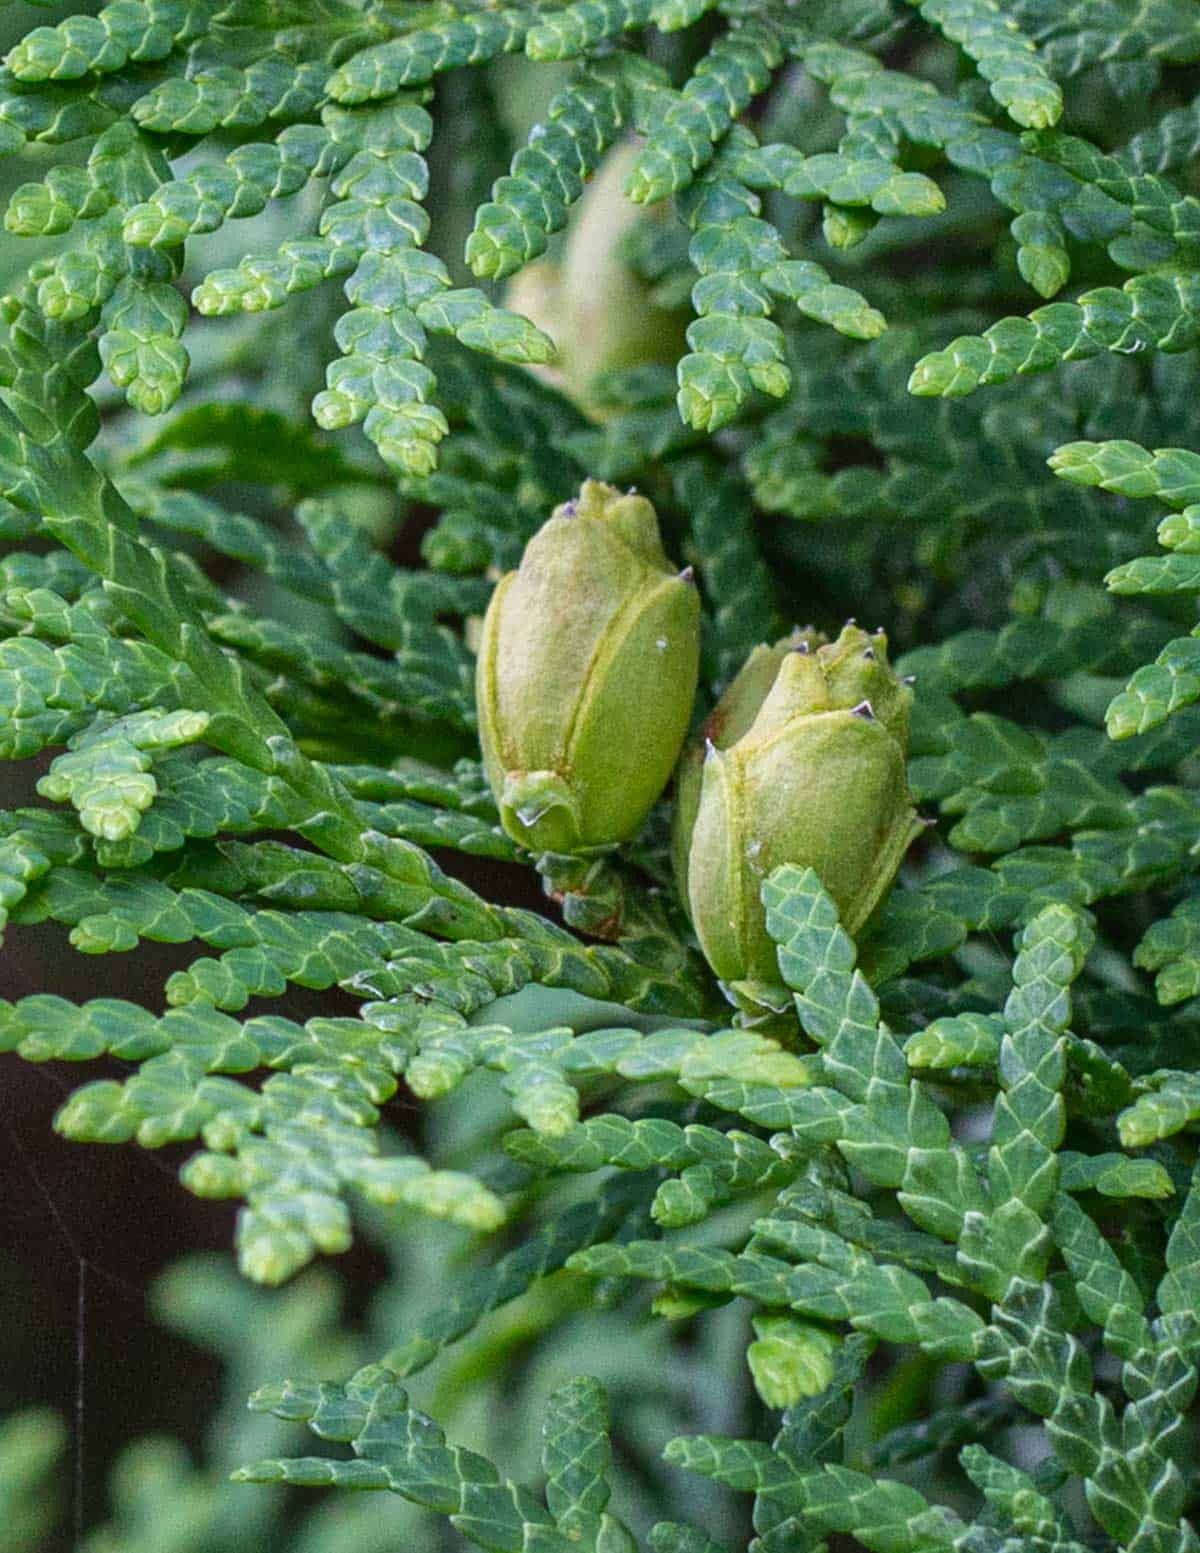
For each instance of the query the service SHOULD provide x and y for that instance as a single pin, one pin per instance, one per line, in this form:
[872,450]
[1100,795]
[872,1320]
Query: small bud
[805,764]
[688,574]
[586,673]
[791,1359]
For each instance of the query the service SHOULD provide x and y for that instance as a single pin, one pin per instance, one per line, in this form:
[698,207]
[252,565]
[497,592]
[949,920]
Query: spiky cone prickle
[802,761]
[587,669]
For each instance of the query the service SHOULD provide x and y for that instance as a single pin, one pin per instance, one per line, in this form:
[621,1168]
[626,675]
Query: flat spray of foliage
[941,263]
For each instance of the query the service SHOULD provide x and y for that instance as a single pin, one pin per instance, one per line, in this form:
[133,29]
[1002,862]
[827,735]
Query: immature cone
[600,313]
[586,674]
[802,761]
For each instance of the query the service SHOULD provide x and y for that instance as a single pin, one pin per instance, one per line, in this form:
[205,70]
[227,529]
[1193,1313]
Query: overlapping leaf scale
[1167,144]
[712,1166]
[1170,947]
[1006,59]
[108,777]
[411,60]
[733,574]
[150,592]
[126,30]
[1047,202]
[234,534]
[1003,1241]
[1077,626]
[274,87]
[242,184]
[290,1149]
[548,174]
[1172,475]
[56,112]
[397,611]
[1159,311]
[1169,1101]
[543,1065]
[1013,785]
[399,1449]
[1074,35]
[882,1514]
[1153,849]
[617,1202]
[744,268]
[100,281]
[372,234]
[736,68]
[579,27]
[48,693]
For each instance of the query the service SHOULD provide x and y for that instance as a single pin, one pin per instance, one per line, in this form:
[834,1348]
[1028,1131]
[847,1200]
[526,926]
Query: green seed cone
[725,725]
[802,761]
[586,674]
[601,314]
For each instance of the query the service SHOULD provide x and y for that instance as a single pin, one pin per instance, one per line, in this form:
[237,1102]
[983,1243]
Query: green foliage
[346,94]
[1160,688]
[401,1450]
[30,1446]
[548,175]
[1005,59]
[939,1210]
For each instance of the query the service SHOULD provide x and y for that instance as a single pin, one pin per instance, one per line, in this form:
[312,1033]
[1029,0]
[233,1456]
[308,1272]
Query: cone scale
[586,675]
